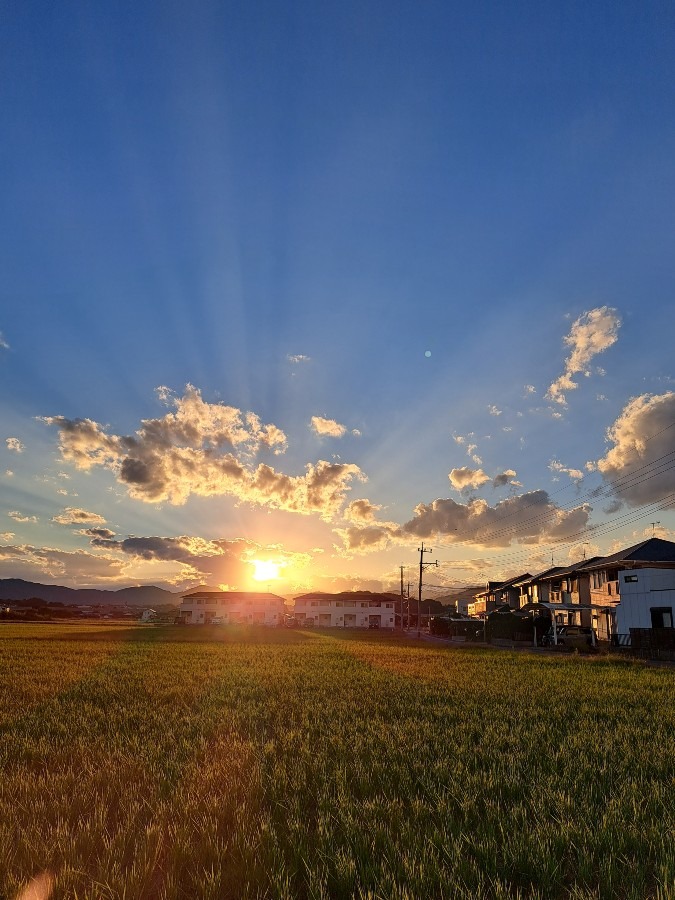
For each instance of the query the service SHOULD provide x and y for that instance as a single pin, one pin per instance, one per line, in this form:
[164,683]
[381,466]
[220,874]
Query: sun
[265,570]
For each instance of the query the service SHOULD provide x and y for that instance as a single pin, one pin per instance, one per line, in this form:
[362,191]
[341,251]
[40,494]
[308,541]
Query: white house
[358,609]
[633,588]
[148,615]
[231,607]
[647,599]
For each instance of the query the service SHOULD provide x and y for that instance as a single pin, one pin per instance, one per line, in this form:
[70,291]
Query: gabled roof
[654,550]
[570,570]
[233,595]
[554,570]
[512,581]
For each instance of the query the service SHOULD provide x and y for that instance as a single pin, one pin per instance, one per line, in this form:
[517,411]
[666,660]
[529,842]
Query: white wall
[306,608]
[654,587]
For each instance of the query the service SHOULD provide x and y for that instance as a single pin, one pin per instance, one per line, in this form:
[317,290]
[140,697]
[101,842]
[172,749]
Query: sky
[290,289]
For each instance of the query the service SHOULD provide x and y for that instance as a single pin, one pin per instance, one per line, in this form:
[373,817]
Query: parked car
[577,637]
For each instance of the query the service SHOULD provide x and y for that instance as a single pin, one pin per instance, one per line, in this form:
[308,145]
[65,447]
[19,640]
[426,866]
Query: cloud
[368,538]
[3,343]
[592,333]
[361,511]
[47,564]
[529,518]
[558,467]
[503,478]
[298,358]
[530,389]
[204,449]
[9,473]
[642,436]
[96,532]
[6,535]
[327,427]
[494,410]
[73,516]
[216,561]
[465,477]
[15,445]
[19,517]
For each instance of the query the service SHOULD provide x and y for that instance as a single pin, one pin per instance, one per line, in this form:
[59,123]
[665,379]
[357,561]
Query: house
[568,594]
[484,601]
[148,615]
[534,588]
[349,609]
[634,588]
[231,607]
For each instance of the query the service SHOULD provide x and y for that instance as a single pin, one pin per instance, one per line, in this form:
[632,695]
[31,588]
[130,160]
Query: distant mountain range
[143,595]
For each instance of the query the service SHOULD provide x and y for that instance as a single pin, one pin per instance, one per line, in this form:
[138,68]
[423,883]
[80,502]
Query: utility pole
[401,568]
[423,566]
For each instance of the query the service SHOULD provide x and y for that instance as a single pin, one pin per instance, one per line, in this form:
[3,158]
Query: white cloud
[3,343]
[642,436]
[464,478]
[205,449]
[298,358]
[74,516]
[494,410]
[530,389]
[559,468]
[15,445]
[6,535]
[9,473]
[327,427]
[19,517]
[592,333]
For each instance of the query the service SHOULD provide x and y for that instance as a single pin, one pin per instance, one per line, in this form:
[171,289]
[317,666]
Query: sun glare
[265,570]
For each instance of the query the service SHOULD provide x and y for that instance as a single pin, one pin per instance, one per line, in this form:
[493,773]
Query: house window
[338,602]
[662,616]
[365,605]
[314,603]
[629,578]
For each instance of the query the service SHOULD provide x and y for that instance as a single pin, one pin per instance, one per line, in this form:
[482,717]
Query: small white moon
[427,353]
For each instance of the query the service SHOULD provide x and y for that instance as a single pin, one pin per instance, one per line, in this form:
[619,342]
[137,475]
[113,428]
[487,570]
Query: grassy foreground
[218,763]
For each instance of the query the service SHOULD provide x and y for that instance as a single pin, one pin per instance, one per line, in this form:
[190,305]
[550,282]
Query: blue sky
[402,220]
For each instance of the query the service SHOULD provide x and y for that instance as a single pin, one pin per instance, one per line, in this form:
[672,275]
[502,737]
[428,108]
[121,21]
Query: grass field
[218,763]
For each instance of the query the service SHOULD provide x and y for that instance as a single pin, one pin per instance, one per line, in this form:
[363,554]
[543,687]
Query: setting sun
[265,570]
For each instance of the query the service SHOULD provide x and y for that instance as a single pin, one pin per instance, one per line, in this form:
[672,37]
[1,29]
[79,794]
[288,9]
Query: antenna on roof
[654,524]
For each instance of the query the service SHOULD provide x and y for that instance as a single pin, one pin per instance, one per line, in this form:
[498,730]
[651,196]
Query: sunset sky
[308,284]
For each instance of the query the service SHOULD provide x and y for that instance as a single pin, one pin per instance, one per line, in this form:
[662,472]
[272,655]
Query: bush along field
[219,762]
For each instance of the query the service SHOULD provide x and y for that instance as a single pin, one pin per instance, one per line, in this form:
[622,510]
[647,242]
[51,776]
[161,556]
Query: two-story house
[230,608]
[623,597]
[349,609]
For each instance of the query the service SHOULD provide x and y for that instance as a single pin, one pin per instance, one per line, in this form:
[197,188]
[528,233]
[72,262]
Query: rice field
[243,763]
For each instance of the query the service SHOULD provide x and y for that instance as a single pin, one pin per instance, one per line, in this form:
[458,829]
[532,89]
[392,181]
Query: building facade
[231,608]
[345,610]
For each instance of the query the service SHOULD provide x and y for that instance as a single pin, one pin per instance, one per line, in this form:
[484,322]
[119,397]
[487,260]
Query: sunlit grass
[224,762]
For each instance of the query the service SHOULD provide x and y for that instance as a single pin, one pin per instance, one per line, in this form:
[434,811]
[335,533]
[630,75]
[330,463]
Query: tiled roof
[654,550]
